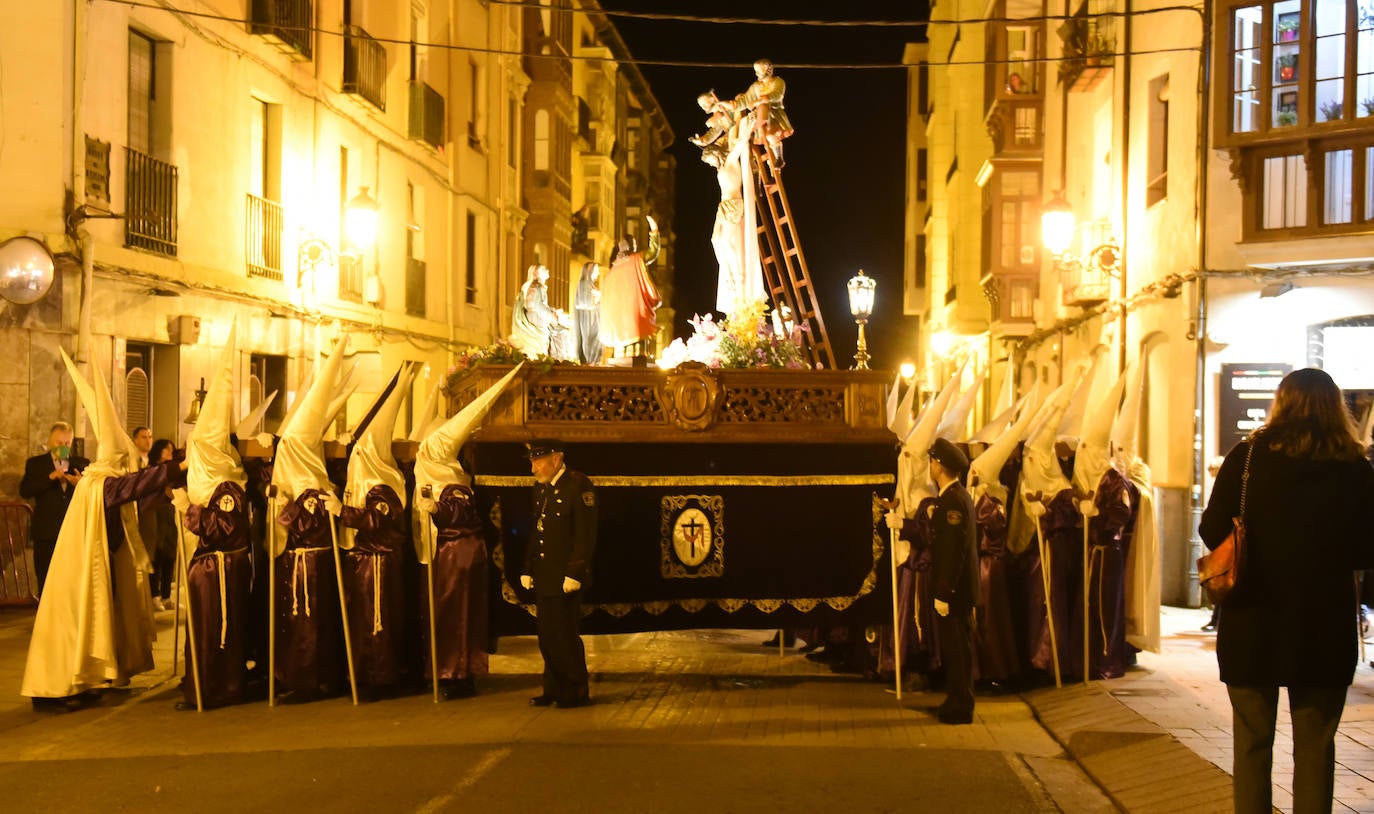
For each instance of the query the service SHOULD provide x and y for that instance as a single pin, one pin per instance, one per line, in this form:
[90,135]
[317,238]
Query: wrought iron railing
[150,203]
[288,22]
[415,287]
[262,236]
[18,581]
[426,114]
[364,72]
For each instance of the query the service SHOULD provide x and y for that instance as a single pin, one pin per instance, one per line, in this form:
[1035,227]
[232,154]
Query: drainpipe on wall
[1200,315]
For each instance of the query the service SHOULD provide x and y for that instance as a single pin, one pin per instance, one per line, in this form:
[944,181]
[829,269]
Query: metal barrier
[18,585]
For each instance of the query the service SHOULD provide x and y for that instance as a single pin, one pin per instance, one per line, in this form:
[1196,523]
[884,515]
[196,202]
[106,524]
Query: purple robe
[1064,537]
[374,585]
[1109,538]
[310,655]
[133,486]
[219,579]
[996,655]
[460,586]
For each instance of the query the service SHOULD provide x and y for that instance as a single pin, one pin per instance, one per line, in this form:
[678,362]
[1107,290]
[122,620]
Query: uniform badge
[954,517]
[588,499]
[383,509]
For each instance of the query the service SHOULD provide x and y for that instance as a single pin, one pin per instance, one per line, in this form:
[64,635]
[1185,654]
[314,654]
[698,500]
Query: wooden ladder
[784,266]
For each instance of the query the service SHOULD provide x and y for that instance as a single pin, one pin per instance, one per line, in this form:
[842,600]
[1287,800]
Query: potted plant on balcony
[1331,111]
[1287,27]
[1288,67]
[1368,105]
[1287,118]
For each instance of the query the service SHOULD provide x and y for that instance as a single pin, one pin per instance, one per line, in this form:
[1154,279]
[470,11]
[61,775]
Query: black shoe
[70,703]
[542,701]
[1210,627]
[822,655]
[773,642]
[459,688]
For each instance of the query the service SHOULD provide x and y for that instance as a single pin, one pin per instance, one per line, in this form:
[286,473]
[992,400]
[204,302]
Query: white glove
[942,607]
[527,582]
[180,500]
[265,439]
[428,505]
[894,520]
[332,504]
[570,585]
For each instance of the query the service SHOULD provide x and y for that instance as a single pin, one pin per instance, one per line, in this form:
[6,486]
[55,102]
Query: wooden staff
[896,616]
[271,596]
[431,548]
[1088,510]
[184,569]
[1049,611]
[343,607]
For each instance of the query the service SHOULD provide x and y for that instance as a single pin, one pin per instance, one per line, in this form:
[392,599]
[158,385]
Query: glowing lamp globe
[360,221]
[1057,225]
[862,290]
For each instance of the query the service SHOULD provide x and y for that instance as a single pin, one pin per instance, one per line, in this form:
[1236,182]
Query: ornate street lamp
[360,221]
[1057,225]
[862,292]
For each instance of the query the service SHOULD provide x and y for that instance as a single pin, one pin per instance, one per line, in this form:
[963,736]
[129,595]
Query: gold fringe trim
[704,480]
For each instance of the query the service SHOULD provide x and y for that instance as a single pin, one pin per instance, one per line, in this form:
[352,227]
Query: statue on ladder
[764,99]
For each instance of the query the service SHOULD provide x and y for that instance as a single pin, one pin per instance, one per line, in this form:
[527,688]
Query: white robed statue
[537,328]
[734,236]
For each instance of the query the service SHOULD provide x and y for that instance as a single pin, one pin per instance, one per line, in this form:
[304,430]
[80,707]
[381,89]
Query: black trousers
[1316,713]
[565,660]
[956,652]
[42,559]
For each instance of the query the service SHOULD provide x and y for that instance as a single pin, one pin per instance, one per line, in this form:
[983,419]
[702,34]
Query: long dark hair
[155,451]
[1310,419]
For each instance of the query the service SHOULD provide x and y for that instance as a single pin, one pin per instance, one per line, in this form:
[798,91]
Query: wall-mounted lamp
[862,294]
[908,371]
[360,221]
[1057,228]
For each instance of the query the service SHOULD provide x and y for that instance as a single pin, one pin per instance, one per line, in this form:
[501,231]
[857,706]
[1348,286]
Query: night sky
[845,163]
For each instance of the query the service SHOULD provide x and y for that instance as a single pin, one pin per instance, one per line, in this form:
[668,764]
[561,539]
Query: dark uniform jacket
[954,549]
[50,497]
[564,536]
[1309,525]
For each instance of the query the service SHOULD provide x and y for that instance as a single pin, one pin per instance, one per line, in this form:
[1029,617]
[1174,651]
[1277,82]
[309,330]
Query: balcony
[262,238]
[287,23]
[426,114]
[415,287]
[150,205]
[1015,125]
[1089,46]
[364,73]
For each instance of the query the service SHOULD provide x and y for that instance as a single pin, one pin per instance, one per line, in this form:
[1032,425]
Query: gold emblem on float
[693,542]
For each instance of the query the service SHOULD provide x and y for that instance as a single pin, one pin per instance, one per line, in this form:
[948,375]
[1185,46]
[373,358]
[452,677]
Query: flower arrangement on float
[501,352]
[750,338]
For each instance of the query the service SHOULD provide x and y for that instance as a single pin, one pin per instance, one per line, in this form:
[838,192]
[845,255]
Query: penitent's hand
[527,582]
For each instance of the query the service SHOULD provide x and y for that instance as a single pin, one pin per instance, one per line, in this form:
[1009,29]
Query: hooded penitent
[1142,558]
[94,622]
[985,470]
[250,422]
[210,458]
[1040,473]
[1094,455]
[299,461]
[436,462]
[1070,424]
[954,424]
[913,467]
[371,463]
[901,416]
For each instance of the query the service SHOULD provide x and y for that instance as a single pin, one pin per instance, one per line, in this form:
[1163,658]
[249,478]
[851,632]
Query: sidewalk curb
[1139,765]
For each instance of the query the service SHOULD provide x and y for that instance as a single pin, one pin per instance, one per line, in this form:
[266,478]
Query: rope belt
[300,584]
[223,594]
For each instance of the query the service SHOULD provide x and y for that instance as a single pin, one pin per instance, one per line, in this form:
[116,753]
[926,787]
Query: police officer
[954,578]
[557,562]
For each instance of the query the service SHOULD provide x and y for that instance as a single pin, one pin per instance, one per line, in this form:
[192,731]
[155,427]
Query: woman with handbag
[1304,494]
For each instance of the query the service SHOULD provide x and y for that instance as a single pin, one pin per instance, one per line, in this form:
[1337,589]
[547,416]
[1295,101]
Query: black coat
[49,498]
[954,573]
[565,538]
[1309,527]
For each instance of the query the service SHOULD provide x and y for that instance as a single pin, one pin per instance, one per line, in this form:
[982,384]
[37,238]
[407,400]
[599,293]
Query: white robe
[82,618]
[1142,568]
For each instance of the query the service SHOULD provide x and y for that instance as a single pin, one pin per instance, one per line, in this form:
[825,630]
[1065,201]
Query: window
[1021,302]
[270,374]
[541,142]
[470,258]
[142,92]
[1157,162]
[1284,193]
[350,264]
[921,173]
[920,262]
[1019,193]
[415,251]
[1022,59]
[476,104]
[1338,179]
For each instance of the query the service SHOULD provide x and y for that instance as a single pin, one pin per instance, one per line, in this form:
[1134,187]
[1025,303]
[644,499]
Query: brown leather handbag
[1221,569]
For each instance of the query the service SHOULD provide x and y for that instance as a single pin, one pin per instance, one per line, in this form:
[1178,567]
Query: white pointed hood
[299,462]
[903,420]
[429,419]
[1071,424]
[985,469]
[1123,428]
[954,425]
[371,463]
[436,462]
[210,458]
[913,467]
[113,445]
[1094,454]
[894,396]
[1040,470]
[1024,407]
[250,422]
